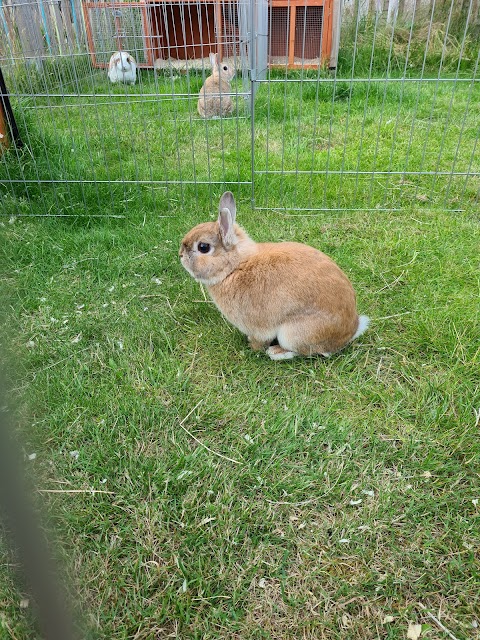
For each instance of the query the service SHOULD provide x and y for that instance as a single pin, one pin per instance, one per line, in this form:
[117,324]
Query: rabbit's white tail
[363,322]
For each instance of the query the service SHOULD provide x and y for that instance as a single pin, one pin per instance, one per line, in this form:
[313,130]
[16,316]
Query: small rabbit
[122,68]
[214,101]
[285,292]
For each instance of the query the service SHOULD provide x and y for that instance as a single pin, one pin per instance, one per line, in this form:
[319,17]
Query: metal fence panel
[394,123]
[91,145]
[356,104]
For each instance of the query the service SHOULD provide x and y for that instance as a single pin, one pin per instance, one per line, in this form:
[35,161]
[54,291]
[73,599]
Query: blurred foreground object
[21,525]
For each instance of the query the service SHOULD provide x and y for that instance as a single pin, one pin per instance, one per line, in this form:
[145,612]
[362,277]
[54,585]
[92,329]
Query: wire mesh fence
[334,105]
[394,123]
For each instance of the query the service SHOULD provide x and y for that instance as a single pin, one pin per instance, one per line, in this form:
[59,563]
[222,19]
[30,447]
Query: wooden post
[118,29]
[147,37]
[218,16]
[8,126]
[336,25]
[3,119]
[291,35]
[326,52]
[3,130]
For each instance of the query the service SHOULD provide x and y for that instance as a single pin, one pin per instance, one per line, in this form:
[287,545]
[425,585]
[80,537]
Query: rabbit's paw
[276,352]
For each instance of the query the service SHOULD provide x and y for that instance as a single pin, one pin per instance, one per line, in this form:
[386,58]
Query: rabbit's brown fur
[214,101]
[285,291]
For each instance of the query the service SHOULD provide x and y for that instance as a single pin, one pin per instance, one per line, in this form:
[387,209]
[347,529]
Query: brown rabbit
[214,101]
[285,291]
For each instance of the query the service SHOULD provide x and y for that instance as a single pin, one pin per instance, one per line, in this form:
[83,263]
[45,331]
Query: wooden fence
[35,29]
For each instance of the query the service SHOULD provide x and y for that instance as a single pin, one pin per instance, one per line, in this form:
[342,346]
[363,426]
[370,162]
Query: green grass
[425,45]
[117,346]
[148,134]
[116,351]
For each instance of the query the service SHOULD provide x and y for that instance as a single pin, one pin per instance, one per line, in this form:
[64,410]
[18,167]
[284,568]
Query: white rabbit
[122,68]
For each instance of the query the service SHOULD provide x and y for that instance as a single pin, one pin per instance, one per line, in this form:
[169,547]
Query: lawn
[381,144]
[236,497]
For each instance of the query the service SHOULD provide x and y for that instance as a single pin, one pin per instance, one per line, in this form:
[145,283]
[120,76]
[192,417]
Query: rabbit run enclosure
[334,104]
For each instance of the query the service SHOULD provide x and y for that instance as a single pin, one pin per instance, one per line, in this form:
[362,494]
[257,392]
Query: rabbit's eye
[225,68]
[203,247]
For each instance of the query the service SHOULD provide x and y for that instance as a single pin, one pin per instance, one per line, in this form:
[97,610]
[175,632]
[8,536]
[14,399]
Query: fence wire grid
[337,105]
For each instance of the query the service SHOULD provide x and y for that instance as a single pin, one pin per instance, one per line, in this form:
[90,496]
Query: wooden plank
[67,23]
[118,32]
[12,34]
[27,20]
[88,29]
[50,33]
[335,31]
[58,26]
[392,11]
[327,32]
[475,12]
[79,24]
[147,37]
[219,29]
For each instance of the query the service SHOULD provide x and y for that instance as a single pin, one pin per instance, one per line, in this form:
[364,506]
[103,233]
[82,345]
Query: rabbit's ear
[213,59]
[226,219]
